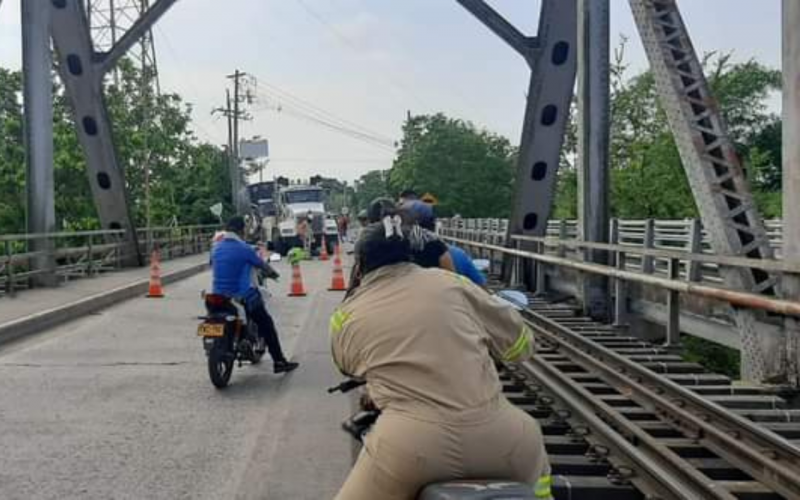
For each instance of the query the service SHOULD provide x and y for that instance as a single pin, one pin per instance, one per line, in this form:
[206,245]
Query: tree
[370,186]
[647,177]
[150,132]
[470,171]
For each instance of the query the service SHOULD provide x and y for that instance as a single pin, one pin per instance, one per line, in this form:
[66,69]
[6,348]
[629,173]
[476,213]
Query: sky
[370,62]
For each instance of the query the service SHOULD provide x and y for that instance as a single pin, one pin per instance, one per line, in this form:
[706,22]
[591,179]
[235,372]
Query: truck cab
[299,203]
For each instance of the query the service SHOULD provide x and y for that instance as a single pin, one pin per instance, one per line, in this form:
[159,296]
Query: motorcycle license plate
[212,330]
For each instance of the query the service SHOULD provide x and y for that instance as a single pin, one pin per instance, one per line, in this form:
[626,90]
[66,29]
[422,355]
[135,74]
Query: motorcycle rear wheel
[220,366]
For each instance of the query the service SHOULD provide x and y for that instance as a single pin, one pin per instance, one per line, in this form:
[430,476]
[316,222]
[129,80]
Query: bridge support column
[593,143]
[791,177]
[38,100]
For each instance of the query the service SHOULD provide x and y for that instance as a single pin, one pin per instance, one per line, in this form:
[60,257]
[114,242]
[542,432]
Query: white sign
[254,149]
[216,209]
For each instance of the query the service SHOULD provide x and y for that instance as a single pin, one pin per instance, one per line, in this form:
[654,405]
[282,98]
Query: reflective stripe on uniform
[337,320]
[521,345]
[542,487]
[462,279]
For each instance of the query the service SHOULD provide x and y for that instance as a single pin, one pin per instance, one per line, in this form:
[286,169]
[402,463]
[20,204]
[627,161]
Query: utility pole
[239,198]
[233,112]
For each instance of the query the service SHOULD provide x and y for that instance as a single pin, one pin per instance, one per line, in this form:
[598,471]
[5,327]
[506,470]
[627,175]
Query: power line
[296,107]
[313,109]
[386,146]
[383,71]
[188,83]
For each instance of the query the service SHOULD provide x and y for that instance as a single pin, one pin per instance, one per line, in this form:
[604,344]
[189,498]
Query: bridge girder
[552,56]
[82,71]
[713,169]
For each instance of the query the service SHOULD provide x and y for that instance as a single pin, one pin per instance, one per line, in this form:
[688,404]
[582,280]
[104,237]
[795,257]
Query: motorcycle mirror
[514,298]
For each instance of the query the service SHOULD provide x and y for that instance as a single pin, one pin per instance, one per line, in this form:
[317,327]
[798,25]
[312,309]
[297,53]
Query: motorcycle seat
[478,490]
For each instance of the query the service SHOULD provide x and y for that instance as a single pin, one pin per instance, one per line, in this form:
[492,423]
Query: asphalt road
[118,405]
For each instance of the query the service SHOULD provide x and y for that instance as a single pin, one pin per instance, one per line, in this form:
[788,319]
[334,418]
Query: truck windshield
[313,196]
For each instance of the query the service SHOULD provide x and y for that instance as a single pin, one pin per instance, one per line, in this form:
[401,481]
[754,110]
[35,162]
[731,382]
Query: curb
[49,318]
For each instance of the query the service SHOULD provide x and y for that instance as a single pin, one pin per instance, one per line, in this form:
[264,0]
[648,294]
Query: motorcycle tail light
[215,300]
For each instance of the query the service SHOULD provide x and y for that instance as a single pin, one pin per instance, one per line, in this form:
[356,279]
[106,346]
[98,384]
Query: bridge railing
[685,235]
[79,254]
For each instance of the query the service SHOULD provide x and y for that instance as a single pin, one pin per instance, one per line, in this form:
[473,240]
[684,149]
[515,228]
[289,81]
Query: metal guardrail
[87,253]
[670,261]
[670,235]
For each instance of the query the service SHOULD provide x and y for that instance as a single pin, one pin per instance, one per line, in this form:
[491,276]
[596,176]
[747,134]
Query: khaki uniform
[421,339]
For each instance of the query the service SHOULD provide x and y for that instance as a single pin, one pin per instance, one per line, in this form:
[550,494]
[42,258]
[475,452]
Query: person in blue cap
[422,214]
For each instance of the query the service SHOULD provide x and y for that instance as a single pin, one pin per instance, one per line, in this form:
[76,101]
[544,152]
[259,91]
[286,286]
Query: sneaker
[285,366]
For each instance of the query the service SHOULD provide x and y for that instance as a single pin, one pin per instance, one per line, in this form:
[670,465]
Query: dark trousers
[266,328]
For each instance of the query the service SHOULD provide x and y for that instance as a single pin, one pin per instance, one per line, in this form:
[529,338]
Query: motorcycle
[359,425]
[228,336]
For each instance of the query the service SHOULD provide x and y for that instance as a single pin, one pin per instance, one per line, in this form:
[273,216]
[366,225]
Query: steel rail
[742,299]
[764,455]
[666,474]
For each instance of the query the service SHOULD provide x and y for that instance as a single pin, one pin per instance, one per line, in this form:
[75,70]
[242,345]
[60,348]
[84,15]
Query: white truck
[294,205]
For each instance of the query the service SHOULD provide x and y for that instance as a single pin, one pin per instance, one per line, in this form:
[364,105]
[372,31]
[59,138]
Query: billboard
[254,149]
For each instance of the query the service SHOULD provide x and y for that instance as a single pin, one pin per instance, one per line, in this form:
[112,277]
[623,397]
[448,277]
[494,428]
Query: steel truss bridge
[624,414]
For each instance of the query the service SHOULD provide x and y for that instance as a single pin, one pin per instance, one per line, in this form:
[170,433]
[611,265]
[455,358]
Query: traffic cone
[297,289]
[323,254]
[155,290]
[337,281]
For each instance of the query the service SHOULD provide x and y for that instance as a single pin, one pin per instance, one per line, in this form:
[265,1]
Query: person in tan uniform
[423,341]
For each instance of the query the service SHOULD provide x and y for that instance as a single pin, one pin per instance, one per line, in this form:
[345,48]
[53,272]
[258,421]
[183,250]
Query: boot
[284,366]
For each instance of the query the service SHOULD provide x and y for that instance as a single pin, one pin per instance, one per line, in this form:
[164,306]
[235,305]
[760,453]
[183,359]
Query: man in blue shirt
[233,262]
[464,265]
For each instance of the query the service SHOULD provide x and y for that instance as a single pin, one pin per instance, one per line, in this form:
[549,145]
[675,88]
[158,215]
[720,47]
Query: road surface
[118,405]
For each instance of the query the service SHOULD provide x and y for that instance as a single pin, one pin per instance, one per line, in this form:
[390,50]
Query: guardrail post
[620,290]
[10,289]
[648,264]
[541,277]
[562,235]
[694,269]
[514,279]
[673,307]
[90,258]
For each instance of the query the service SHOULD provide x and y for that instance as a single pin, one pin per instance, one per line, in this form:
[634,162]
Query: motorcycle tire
[220,366]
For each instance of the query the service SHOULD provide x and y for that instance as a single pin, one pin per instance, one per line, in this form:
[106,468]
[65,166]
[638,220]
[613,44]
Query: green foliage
[470,171]
[712,356]
[151,133]
[370,186]
[647,178]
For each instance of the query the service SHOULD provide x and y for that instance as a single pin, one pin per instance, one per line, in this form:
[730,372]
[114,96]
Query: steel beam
[552,58]
[523,44]
[546,117]
[142,25]
[594,106]
[83,82]
[712,167]
[790,284]
[38,101]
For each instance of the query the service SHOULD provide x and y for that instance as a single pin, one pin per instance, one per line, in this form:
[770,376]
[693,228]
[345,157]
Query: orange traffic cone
[155,290]
[337,281]
[297,289]
[323,254]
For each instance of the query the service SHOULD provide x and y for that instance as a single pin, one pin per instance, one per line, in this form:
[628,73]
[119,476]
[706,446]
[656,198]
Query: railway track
[627,419]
